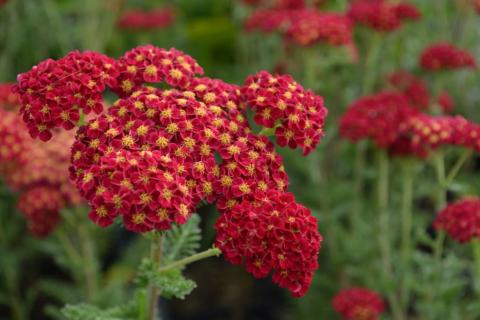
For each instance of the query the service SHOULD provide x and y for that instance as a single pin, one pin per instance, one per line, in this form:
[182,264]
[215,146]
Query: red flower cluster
[151,64]
[8,99]
[280,103]
[461,220]
[41,206]
[303,26]
[13,140]
[358,304]
[417,93]
[308,27]
[268,20]
[54,93]
[423,133]
[442,56]
[414,89]
[274,233]
[381,15]
[38,171]
[377,117]
[155,154]
[146,20]
[278,4]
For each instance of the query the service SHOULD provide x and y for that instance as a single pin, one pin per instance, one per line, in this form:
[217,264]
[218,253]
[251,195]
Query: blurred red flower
[146,20]
[358,304]
[461,220]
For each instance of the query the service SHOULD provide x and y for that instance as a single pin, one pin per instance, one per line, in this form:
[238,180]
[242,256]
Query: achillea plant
[37,172]
[461,220]
[146,20]
[154,155]
[358,304]
[382,15]
[444,56]
[304,26]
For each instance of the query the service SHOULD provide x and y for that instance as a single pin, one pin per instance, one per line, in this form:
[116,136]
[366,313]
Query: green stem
[310,68]
[382,201]
[406,215]
[370,69]
[88,257]
[11,279]
[384,229]
[67,245]
[196,257]
[456,167]
[156,254]
[441,201]
[358,184]
[476,257]
[368,82]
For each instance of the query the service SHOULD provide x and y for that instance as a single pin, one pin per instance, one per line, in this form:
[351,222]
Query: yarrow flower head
[296,115]
[149,64]
[156,154]
[41,206]
[461,220]
[272,234]
[423,133]
[278,4]
[8,98]
[413,88]
[358,304]
[381,15]
[146,20]
[53,93]
[443,56]
[13,140]
[377,117]
[304,26]
[37,171]
[308,27]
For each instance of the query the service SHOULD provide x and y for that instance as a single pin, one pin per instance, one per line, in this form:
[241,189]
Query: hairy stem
[156,254]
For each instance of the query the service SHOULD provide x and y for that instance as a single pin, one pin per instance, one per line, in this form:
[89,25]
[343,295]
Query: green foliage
[90,312]
[170,283]
[182,241]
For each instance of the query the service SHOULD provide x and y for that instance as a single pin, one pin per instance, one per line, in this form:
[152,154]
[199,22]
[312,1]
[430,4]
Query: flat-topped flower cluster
[156,154]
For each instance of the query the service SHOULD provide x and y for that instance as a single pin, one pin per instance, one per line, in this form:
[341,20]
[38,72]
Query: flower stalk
[406,216]
[88,257]
[156,254]
[384,228]
[475,243]
[212,252]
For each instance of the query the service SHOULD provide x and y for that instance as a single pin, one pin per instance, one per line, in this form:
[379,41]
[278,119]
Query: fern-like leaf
[170,283]
[182,241]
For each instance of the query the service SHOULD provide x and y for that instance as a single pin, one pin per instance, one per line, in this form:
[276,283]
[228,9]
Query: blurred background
[37,278]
